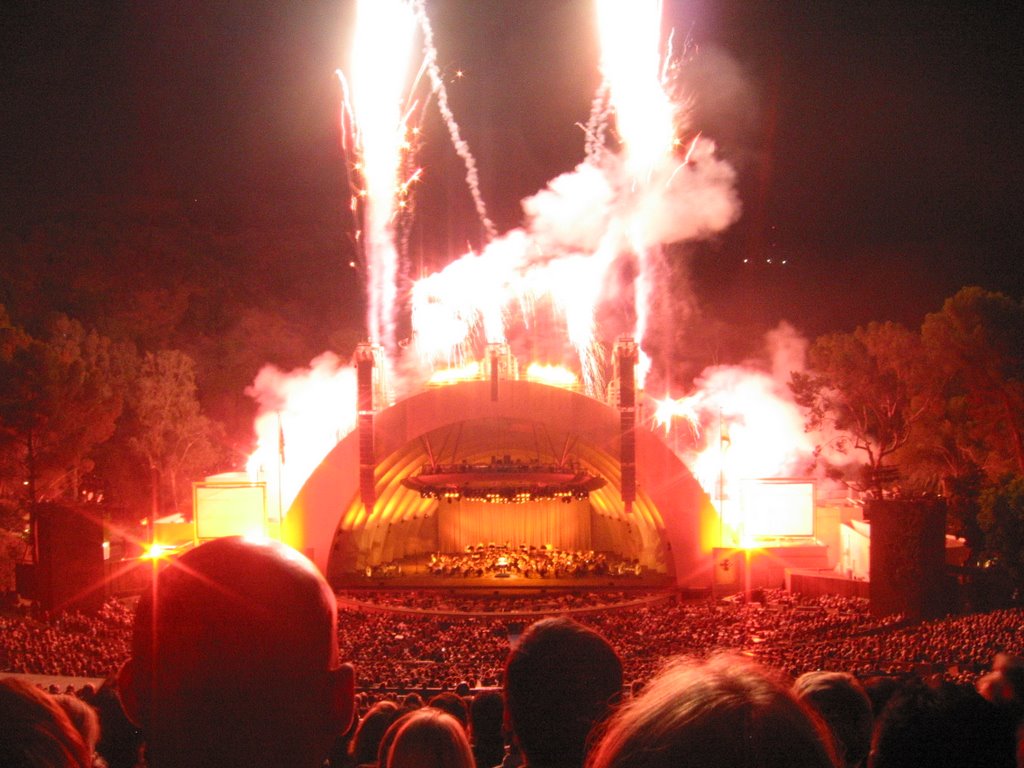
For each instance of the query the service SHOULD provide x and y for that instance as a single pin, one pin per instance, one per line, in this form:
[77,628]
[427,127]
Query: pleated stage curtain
[468,523]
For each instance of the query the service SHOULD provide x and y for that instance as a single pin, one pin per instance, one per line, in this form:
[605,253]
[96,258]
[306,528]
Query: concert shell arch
[670,527]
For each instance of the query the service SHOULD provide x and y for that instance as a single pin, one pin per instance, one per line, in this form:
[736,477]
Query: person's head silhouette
[235,660]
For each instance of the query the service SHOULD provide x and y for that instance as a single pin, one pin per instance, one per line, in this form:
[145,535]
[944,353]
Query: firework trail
[461,147]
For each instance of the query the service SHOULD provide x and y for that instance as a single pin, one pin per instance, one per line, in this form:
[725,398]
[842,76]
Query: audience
[560,681]
[724,713]
[234,660]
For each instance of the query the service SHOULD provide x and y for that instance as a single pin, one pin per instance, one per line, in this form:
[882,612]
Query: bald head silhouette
[235,660]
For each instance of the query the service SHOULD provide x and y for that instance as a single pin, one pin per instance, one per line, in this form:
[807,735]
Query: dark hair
[946,726]
[486,716]
[453,705]
[724,713]
[370,731]
[840,700]
[560,681]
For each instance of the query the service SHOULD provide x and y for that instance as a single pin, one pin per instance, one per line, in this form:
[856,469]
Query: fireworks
[591,247]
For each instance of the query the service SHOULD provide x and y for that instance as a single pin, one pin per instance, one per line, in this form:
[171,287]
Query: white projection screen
[778,508]
[223,509]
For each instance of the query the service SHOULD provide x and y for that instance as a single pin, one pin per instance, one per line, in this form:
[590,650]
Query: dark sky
[877,143]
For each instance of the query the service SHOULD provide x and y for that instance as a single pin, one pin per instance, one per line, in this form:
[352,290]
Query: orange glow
[469,372]
[552,375]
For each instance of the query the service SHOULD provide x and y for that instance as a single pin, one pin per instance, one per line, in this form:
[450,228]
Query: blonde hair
[723,713]
[429,738]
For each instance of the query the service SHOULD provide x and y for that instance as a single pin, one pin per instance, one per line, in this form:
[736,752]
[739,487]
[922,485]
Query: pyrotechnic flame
[379,78]
[632,67]
[470,372]
[744,425]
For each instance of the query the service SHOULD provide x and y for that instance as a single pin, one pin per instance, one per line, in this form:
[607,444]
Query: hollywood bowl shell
[669,528]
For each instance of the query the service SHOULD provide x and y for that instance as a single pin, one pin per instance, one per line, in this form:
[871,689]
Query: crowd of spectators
[423,640]
[644,683]
[493,602]
[69,643]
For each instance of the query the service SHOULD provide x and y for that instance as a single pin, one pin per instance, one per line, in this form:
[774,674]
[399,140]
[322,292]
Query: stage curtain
[469,523]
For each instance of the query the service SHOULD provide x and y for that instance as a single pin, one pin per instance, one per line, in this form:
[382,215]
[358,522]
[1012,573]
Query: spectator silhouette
[234,660]
[486,712]
[725,713]
[560,681]
[35,732]
[943,726]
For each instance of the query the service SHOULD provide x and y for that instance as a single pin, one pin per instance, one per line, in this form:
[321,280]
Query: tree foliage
[168,430]
[1002,519]
[60,397]
[861,387]
[977,344]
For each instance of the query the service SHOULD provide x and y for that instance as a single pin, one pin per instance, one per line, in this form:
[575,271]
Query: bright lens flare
[156,551]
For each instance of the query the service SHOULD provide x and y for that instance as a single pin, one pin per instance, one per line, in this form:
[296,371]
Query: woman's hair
[724,713]
[34,730]
[429,738]
[83,716]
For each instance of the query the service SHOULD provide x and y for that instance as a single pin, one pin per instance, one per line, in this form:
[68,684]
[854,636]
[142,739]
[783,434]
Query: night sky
[877,143]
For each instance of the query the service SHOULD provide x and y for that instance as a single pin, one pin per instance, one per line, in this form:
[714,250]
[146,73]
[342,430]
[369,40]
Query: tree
[1002,519]
[168,430]
[977,344]
[861,386]
[60,397]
